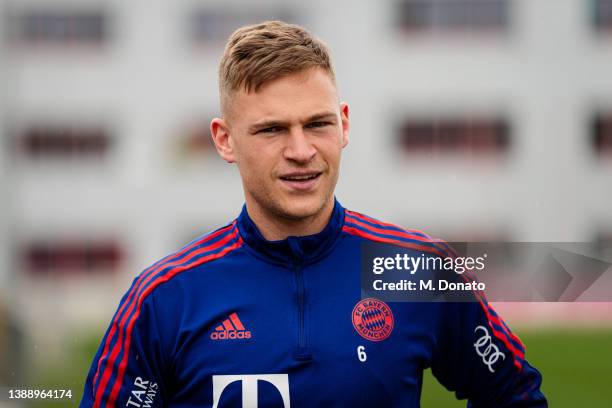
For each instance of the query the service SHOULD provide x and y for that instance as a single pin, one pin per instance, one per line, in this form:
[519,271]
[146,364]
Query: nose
[299,148]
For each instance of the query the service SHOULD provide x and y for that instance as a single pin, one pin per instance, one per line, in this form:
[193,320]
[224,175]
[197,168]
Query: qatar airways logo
[486,349]
[249,387]
[143,394]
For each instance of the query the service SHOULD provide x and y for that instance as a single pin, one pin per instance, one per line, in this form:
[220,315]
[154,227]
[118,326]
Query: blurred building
[471,119]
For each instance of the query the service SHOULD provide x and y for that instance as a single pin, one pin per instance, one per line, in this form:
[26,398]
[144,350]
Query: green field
[576,367]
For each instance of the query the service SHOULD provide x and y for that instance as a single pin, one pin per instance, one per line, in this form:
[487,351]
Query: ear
[344,116]
[221,136]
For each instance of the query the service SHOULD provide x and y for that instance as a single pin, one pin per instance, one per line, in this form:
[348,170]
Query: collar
[292,250]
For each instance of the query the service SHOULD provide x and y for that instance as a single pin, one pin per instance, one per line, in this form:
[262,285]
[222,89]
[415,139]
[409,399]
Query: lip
[304,185]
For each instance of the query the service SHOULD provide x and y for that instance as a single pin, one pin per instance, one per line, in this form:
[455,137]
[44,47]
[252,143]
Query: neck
[275,227]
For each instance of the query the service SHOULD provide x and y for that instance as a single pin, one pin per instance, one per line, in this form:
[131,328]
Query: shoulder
[206,249]
[374,230]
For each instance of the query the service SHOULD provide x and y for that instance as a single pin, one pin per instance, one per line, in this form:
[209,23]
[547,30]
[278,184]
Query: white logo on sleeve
[143,394]
[486,349]
[249,387]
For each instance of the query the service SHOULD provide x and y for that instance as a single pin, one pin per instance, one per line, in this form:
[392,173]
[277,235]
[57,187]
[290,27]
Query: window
[601,133]
[191,145]
[453,15]
[602,15]
[214,26]
[198,140]
[64,141]
[463,135]
[71,256]
[60,27]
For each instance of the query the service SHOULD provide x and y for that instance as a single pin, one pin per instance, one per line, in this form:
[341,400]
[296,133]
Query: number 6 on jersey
[361,354]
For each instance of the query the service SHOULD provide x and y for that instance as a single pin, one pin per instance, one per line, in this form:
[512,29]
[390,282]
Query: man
[267,311]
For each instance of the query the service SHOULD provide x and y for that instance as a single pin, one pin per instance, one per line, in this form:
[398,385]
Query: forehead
[290,97]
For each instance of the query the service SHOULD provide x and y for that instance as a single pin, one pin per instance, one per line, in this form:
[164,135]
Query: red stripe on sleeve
[151,270]
[396,233]
[364,234]
[130,305]
[160,280]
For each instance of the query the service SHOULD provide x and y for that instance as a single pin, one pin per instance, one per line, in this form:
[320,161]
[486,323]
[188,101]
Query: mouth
[301,181]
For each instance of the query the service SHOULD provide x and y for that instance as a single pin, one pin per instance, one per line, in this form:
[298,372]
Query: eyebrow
[272,123]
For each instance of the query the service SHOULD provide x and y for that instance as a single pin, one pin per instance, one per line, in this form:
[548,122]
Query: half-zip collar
[292,250]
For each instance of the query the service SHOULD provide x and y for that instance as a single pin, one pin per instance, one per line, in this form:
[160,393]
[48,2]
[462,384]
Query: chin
[301,207]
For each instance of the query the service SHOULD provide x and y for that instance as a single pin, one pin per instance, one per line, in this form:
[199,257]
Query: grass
[575,366]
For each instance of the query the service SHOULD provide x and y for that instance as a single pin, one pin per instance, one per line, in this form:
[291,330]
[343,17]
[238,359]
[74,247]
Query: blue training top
[234,320]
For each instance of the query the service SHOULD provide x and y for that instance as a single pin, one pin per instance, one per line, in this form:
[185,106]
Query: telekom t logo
[249,387]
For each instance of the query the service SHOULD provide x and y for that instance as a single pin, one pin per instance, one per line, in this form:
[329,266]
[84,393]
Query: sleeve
[479,358]
[127,369]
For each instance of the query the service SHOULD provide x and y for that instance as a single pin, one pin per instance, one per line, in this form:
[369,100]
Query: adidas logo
[231,328]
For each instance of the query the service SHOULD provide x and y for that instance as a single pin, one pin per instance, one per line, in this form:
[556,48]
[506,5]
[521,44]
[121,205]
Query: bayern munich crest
[373,319]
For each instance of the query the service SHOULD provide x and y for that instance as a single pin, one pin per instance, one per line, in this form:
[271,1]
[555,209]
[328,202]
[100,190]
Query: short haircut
[259,53]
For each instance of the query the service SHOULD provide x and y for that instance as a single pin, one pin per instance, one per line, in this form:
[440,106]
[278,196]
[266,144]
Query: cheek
[331,152]
[257,163]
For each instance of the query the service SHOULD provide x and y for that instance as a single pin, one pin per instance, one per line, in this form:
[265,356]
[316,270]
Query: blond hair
[259,53]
